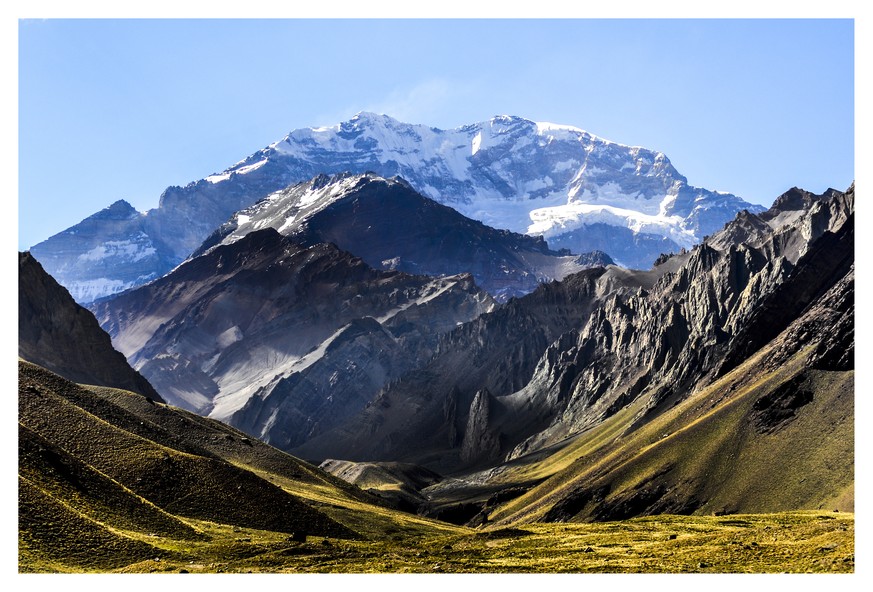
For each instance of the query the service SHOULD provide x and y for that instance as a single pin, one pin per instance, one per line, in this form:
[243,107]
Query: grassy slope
[109,479]
[53,537]
[90,493]
[334,497]
[708,448]
[92,522]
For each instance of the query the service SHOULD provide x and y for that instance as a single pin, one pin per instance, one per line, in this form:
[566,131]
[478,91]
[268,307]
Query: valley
[759,543]
[77,518]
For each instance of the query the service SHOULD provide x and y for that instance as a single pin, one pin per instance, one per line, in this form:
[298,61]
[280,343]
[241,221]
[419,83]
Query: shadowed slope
[58,334]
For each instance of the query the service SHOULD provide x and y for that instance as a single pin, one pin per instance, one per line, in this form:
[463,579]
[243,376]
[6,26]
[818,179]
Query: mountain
[108,479]
[576,190]
[281,339]
[106,253]
[760,318]
[58,334]
[713,394]
[391,226]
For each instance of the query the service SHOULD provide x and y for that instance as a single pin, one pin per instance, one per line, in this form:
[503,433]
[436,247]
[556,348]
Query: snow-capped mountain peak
[576,189]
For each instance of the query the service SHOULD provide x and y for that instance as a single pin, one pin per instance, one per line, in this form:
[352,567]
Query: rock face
[480,440]
[647,338]
[576,190]
[58,334]
[698,322]
[425,414]
[280,339]
[391,226]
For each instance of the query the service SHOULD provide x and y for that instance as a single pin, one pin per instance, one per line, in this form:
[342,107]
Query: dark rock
[56,333]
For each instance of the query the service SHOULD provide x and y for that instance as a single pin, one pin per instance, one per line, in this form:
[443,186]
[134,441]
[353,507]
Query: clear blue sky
[112,109]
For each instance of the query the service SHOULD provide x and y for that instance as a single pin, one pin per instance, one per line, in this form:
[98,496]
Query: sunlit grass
[761,543]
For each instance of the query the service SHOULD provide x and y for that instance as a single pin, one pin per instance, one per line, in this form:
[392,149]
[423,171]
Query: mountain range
[391,226]
[450,380]
[409,344]
[267,318]
[499,389]
[578,191]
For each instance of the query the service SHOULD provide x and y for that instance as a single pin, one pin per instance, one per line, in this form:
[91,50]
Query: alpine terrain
[576,190]
[697,416]
[383,347]
[742,343]
[391,226]
[312,333]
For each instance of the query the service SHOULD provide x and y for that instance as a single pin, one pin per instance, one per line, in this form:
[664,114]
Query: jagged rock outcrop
[58,334]
[480,440]
[698,322]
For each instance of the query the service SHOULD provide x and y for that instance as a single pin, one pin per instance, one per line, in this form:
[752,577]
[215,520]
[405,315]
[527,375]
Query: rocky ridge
[391,226]
[280,339]
[648,338]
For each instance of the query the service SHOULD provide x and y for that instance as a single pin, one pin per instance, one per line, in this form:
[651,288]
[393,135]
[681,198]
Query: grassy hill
[108,478]
[736,446]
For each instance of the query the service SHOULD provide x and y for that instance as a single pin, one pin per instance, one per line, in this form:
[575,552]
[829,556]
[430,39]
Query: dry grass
[760,543]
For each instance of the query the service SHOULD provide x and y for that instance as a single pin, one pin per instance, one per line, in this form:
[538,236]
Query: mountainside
[280,339]
[637,340]
[421,417]
[391,226]
[58,334]
[542,179]
[106,253]
[775,433]
[101,470]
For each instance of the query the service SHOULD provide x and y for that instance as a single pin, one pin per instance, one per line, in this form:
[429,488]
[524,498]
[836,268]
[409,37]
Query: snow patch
[229,337]
[224,176]
[84,291]
[565,165]
[477,142]
[218,178]
[553,221]
[130,250]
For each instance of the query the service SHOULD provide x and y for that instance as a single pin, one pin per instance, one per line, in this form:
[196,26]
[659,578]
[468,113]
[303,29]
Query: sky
[122,109]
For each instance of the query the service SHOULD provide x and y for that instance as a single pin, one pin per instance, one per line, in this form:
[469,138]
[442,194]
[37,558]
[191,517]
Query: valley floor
[798,542]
